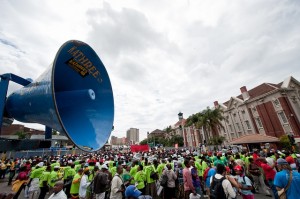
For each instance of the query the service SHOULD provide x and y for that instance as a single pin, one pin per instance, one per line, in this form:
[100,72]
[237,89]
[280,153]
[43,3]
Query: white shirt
[227,187]
[116,185]
[59,195]
[84,183]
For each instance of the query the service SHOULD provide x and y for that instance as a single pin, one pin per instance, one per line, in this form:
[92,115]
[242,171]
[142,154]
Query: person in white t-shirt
[58,192]
[226,184]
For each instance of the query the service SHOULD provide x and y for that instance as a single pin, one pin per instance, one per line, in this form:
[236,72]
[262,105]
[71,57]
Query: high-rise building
[133,135]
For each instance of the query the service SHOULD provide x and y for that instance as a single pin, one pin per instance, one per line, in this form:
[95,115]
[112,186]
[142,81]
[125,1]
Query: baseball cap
[238,168]
[104,166]
[132,191]
[281,161]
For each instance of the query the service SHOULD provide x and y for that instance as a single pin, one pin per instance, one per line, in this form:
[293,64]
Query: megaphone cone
[73,96]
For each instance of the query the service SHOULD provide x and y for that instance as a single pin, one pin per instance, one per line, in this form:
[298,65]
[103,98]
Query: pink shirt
[187,179]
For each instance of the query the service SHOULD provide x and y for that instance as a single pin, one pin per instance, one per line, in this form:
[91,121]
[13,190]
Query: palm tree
[212,120]
[209,120]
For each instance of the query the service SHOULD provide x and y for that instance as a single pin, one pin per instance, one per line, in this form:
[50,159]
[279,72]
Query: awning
[254,138]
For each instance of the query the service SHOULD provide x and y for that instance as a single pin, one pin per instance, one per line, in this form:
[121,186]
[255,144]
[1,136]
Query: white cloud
[162,56]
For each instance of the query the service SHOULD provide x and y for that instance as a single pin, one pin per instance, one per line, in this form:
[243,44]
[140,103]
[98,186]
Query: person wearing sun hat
[282,178]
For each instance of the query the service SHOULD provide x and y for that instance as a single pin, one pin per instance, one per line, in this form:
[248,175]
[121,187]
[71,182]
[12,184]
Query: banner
[139,148]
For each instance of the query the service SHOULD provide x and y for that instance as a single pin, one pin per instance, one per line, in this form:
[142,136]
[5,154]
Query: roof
[157,131]
[258,90]
[180,122]
[254,138]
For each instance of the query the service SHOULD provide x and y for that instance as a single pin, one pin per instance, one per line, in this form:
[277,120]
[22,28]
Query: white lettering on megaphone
[85,62]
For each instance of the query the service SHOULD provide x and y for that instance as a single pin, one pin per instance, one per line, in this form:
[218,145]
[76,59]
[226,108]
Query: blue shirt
[246,182]
[211,172]
[281,180]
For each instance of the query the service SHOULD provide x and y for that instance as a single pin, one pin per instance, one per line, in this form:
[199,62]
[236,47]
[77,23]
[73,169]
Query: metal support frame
[4,82]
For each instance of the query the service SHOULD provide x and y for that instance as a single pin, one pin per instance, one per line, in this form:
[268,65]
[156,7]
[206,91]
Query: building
[157,134]
[18,131]
[269,110]
[133,135]
[118,141]
[192,137]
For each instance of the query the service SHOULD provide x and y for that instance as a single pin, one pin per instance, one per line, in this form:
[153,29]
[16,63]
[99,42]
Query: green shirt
[53,178]
[133,171]
[66,169]
[44,178]
[75,185]
[37,173]
[160,168]
[139,179]
[148,170]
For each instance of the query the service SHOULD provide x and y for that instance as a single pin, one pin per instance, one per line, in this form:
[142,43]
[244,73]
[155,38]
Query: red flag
[139,148]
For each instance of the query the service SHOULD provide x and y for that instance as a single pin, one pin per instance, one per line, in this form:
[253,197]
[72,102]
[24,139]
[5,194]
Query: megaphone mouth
[87,120]
[74,96]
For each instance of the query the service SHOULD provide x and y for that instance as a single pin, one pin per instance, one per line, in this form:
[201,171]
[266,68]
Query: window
[238,126]
[276,103]
[258,121]
[230,128]
[248,124]
[282,117]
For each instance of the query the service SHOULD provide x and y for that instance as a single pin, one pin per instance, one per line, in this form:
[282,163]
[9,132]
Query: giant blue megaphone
[73,96]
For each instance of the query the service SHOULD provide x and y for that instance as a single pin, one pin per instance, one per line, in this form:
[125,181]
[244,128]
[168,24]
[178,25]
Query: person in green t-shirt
[68,178]
[134,169]
[139,179]
[54,177]
[74,191]
[126,176]
[43,183]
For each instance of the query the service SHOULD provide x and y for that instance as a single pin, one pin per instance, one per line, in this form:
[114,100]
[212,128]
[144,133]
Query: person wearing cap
[132,192]
[35,176]
[245,184]
[43,183]
[282,178]
[126,175]
[101,182]
[58,192]
[54,177]
[84,183]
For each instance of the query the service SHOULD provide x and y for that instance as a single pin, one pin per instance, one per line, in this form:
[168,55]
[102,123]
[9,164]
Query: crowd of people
[166,174]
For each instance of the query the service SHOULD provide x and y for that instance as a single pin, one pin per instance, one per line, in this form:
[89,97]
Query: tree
[209,120]
[176,139]
[285,142]
[21,135]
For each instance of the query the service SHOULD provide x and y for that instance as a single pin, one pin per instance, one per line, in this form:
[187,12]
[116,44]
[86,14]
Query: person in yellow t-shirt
[139,179]
[75,184]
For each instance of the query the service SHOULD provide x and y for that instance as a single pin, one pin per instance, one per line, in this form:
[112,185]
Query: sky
[162,56]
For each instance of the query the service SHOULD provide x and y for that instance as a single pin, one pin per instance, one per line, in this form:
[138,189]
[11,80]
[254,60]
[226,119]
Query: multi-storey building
[118,141]
[269,110]
[133,135]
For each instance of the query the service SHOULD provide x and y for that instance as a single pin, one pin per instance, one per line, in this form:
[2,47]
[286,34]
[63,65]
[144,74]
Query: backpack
[253,188]
[216,189]
[164,180]
[205,173]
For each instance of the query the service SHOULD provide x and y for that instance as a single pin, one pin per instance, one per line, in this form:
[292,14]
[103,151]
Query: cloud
[181,57]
